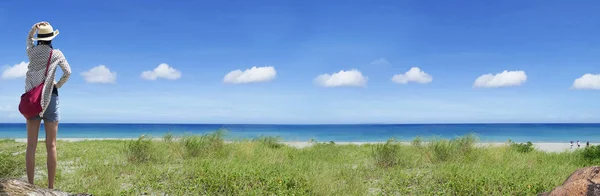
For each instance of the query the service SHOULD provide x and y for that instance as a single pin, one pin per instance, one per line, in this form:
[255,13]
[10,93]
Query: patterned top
[38,58]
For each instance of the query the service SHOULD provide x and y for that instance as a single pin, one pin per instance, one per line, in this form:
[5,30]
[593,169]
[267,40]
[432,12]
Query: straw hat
[45,33]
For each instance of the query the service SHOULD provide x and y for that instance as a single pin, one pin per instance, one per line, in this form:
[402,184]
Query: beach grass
[207,165]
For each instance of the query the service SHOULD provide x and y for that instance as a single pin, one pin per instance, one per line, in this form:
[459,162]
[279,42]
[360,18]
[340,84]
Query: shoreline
[542,146]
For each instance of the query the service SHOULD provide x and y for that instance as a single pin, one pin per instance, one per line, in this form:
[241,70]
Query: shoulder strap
[48,64]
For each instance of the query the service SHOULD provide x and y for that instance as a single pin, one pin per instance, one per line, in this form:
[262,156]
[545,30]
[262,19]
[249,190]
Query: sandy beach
[547,147]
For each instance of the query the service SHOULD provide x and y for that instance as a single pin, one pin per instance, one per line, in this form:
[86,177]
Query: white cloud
[353,78]
[252,75]
[16,71]
[504,79]
[381,61]
[162,71]
[413,75]
[587,81]
[100,74]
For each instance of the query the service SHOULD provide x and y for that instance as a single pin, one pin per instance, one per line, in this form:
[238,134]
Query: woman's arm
[30,35]
[66,68]
[31,32]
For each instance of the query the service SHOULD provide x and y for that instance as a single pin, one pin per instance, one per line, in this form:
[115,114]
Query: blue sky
[543,45]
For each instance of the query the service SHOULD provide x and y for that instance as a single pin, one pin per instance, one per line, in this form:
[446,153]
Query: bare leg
[33,127]
[51,129]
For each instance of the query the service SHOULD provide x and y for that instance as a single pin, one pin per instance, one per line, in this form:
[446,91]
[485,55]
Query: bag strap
[48,64]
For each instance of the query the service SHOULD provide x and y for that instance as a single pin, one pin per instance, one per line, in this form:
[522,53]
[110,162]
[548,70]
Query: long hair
[48,43]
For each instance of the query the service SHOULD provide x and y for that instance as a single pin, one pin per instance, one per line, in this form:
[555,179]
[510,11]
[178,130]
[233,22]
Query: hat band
[45,35]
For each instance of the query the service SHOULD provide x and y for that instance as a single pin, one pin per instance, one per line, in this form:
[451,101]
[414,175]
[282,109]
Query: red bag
[30,105]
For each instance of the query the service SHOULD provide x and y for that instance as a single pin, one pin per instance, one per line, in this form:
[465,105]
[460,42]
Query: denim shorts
[52,112]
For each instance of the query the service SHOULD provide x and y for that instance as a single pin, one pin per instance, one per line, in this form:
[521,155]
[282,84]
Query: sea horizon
[310,124]
[485,132]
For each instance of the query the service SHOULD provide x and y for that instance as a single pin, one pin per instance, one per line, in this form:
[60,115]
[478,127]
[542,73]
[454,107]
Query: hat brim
[56,32]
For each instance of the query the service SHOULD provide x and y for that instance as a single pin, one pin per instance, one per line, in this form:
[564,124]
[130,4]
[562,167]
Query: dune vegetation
[207,165]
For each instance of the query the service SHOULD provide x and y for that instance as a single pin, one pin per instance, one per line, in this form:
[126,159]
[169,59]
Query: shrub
[168,137]
[198,145]
[592,153]
[465,144]
[521,147]
[417,142]
[269,141]
[386,155]
[193,145]
[444,150]
[139,150]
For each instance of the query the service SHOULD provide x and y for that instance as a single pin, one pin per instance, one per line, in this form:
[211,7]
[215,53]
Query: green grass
[207,165]
[271,142]
[11,165]
[12,158]
[520,147]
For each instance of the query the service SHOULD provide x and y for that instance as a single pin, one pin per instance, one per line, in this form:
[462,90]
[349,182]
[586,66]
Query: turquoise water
[486,132]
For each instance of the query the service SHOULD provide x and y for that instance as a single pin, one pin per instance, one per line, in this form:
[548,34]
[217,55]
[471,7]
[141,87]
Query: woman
[39,59]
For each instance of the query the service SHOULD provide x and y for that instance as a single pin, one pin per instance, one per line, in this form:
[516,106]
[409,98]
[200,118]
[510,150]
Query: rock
[19,187]
[584,181]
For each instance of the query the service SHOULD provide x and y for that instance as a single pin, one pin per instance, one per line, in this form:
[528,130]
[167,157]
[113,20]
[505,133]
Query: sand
[547,147]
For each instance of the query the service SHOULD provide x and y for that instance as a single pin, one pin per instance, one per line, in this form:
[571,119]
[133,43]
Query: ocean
[325,133]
